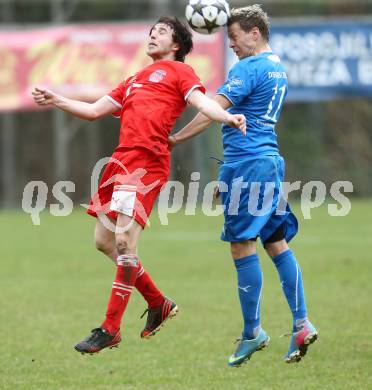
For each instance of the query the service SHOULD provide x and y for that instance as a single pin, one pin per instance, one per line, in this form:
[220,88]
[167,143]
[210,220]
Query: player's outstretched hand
[171,142]
[239,122]
[42,96]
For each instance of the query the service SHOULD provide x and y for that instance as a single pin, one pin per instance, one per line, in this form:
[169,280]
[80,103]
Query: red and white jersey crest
[157,76]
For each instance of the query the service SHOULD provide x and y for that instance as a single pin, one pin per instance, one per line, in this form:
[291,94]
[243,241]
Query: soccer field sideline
[55,288]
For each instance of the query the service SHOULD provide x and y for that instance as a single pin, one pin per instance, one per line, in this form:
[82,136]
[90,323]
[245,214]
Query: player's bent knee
[121,242]
[276,248]
[243,249]
[125,243]
[103,245]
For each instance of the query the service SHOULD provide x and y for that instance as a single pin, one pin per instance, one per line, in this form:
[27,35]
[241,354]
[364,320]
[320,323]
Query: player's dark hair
[249,17]
[181,35]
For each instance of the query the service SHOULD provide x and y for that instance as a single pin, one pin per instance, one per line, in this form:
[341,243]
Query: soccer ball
[207,16]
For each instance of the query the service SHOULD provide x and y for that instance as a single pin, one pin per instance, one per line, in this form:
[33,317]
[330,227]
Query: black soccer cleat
[99,339]
[157,316]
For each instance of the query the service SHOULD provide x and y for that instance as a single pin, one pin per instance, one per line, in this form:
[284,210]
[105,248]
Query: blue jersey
[256,87]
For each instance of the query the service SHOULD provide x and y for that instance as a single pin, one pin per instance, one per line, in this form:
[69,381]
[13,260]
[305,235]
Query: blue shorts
[253,201]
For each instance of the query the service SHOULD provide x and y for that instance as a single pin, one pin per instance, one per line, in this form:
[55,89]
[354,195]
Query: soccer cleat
[98,340]
[300,342]
[157,316]
[247,347]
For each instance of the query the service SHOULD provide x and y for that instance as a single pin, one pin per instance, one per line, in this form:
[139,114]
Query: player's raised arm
[83,110]
[209,110]
[214,111]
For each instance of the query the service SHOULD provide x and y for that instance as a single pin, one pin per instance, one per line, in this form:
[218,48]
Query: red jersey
[151,101]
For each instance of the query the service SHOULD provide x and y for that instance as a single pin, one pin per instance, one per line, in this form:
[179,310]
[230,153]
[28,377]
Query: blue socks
[249,288]
[291,279]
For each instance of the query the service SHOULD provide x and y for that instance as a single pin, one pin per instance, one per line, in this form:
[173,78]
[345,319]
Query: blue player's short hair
[249,17]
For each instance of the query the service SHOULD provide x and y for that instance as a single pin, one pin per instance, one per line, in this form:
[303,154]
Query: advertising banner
[324,60]
[87,61]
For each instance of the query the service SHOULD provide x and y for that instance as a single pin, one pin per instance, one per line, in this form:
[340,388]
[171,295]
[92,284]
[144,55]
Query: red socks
[129,274]
[145,285]
[126,274]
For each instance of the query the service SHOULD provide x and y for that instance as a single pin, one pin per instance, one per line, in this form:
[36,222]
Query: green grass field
[55,286]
